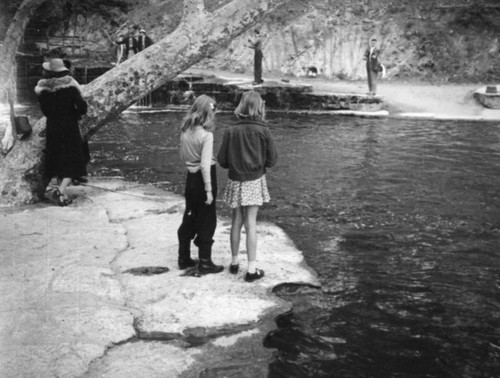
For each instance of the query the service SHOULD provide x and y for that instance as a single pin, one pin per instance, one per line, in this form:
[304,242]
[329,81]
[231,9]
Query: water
[399,218]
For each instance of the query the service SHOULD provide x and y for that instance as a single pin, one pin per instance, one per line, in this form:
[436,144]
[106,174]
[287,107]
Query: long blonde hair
[201,113]
[251,106]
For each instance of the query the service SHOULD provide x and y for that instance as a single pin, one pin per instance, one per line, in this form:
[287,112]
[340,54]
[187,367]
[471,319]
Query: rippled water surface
[399,218]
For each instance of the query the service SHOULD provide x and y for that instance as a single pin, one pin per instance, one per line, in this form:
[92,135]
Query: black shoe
[207,267]
[61,201]
[233,269]
[184,264]
[250,277]
[79,180]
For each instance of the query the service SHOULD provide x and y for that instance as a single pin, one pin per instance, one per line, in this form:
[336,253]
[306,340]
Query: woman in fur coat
[62,104]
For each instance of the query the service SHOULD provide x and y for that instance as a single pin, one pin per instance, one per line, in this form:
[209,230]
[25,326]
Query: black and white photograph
[249,188]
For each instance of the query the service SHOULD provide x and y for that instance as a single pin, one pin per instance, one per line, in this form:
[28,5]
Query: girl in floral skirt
[247,150]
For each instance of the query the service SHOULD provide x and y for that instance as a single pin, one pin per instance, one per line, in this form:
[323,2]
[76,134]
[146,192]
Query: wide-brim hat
[55,65]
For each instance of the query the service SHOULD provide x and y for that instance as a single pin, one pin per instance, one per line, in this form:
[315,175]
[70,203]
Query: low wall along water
[181,92]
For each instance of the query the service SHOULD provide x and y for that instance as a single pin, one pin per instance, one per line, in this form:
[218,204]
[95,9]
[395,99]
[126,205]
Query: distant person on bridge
[143,41]
[127,44]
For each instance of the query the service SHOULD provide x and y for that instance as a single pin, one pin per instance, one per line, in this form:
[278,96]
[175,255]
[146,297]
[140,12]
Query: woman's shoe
[79,181]
[64,201]
[61,201]
[250,277]
[55,194]
[233,269]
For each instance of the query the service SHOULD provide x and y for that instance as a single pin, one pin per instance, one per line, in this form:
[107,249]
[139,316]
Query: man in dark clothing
[129,43]
[143,41]
[256,45]
[373,67]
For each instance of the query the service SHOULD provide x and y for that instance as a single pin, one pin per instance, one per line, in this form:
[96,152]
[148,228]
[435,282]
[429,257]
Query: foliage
[7,10]
[463,47]
[57,14]
[478,19]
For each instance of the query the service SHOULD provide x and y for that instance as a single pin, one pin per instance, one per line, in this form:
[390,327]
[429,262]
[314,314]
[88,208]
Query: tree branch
[193,10]
[22,174]
[194,40]
[13,39]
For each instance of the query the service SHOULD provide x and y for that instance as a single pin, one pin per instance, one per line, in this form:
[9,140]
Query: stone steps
[278,95]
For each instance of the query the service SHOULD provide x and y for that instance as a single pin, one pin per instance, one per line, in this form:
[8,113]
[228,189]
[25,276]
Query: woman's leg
[60,194]
[236,226]
[251,230]
[64,185]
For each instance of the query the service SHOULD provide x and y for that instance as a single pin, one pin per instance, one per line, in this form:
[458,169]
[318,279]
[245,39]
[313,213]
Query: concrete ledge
[72,307]
[445,117]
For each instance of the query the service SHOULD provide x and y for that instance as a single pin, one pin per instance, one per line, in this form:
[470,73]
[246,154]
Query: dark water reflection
[399,218]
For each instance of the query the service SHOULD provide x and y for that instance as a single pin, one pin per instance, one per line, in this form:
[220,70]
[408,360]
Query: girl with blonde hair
[247,150]
[200,218]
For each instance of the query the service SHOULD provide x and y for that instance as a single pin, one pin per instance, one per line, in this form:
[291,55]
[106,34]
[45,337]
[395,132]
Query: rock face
[72,306]
[417,38]
[329,38]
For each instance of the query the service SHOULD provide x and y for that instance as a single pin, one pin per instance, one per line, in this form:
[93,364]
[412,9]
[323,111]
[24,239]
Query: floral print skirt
[246,193]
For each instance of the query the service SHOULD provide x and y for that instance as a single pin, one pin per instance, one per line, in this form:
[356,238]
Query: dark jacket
[62,103]
[130,45]
[372,62]
[247,150]
[143,41]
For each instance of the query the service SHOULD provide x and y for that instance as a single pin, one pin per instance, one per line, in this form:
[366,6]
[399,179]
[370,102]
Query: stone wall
[439,40]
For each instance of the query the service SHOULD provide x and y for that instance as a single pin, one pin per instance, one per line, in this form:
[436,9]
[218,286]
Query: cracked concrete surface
[72,308]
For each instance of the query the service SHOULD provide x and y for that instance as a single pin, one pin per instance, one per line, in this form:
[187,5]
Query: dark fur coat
[62,103]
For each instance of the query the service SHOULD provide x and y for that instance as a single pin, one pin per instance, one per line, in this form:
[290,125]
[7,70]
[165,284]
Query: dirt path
[419,99]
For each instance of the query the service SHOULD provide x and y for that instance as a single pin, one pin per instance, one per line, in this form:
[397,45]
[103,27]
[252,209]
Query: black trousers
[372,79]
[199,220]
[257,66]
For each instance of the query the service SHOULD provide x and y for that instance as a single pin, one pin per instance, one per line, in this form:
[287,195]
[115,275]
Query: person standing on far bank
[373,66]
[247,150]
[199,220]
[256,45]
